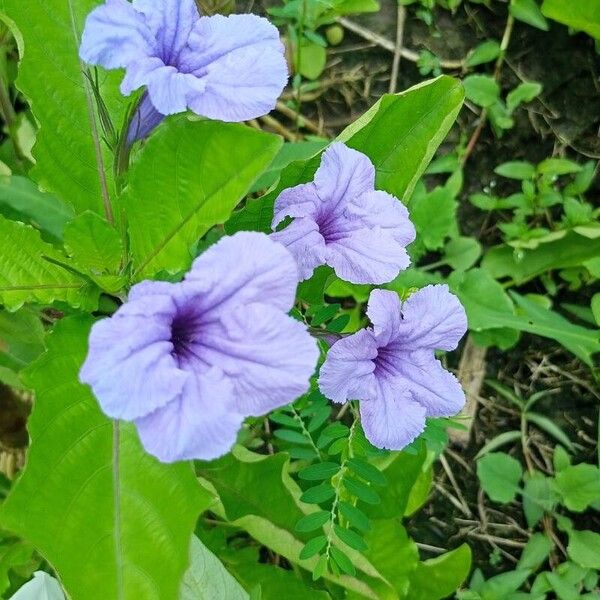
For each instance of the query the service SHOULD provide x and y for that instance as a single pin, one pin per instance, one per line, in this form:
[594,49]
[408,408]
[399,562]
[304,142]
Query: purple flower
[342,221]
[228,68]
[186,362]
[392,369]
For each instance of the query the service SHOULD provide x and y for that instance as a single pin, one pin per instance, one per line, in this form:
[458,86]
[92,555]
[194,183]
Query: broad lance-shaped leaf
[114,522]
[29,271]
[189,177]
[72,160]
[400,135]
[207,578]
[21,200]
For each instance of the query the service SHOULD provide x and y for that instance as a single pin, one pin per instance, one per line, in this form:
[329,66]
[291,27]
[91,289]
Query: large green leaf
[489,307]
[71,159]
[207,578]
[21,200]
[439,577]
[400,134]
[570,251]
[112,520]
[189,177]
[578,14]
[29,271]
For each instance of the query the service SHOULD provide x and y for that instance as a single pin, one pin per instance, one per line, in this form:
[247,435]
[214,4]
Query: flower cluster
[188,361]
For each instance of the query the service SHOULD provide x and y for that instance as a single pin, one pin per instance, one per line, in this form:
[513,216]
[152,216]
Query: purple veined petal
[306,244]
[145,119]
[169,90]
[129,365]
[392,420]
[241,60]
[115,35]
[171,23]
[429,384]
[243,268]
[367,256]
[385,313]
[434,318]
[377,209]
[268,356]
[299,201]
[198,425]
[344,174]
[347,372]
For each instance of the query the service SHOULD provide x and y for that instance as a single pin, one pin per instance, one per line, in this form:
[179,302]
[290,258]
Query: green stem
[306,433]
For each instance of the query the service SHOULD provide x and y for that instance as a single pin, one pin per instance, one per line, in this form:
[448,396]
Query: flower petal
[168,89]
[367,257]
[299,201]
[197,425]
[385,313]
[383,212]
[115,35]
[432,386]
[145,119]
[347,372]
[243,268]
[302,238]
[171,22]
[433,318]
[344,174]
[268,356]
[392,420]
[241,60]
[129,365]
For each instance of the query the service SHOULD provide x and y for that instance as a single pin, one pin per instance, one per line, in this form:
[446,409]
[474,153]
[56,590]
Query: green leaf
[434,216]
[578,485]
[367,471]
[582,15]
[484,53]
[551,428]
[483,90]
[506,437]
[30,271]
[503,585]
[318,471]
[21,200]
[529,12]
[312,59]
[294,437]
[210,165]
[313,521]
[313,547]
[440,577]
[207,578]
[342,561]
[595,306]
[354,515]
[558,166]
[539,497]
[399,134]
[361,490]
[499,475]
[536,551]
[318,494]
[89,491]
[584,548]
[570,251]
[524,92]
[350,538]
[461,253]
[516,170]
[72,160]
[95,247]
